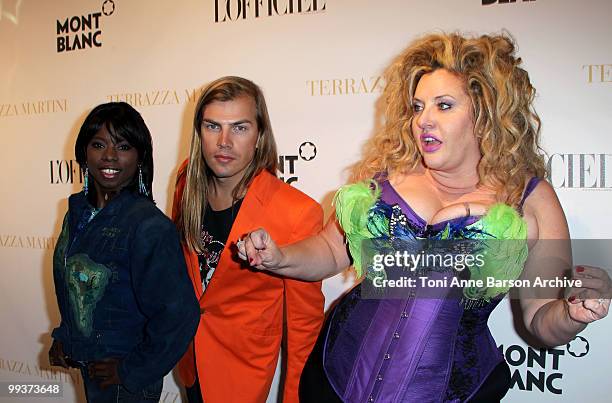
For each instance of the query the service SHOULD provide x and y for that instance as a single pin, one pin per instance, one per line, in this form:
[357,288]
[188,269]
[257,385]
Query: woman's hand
[106,372]
[260,250]
[591,301]
[56,354]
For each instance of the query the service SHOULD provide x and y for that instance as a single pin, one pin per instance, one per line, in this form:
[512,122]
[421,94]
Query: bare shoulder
[543,209]
[541,199]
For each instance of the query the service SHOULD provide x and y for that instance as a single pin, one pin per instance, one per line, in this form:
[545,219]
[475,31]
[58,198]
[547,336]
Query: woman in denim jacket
[128,311]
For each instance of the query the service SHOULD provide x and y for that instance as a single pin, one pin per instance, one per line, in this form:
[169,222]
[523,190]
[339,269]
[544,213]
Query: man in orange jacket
[226,189]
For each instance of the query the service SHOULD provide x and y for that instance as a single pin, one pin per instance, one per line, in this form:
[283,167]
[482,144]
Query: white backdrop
[319,63]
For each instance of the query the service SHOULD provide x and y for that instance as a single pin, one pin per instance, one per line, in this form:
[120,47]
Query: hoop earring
[86,181]
[142,189]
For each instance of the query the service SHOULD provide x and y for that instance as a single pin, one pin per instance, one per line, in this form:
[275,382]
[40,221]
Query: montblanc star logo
[308,151]
[578,347]
[108,7]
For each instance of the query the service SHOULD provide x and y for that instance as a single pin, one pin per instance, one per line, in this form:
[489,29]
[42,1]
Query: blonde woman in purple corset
[458,158]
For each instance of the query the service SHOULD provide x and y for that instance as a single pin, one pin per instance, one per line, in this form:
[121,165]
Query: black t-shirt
[215,231]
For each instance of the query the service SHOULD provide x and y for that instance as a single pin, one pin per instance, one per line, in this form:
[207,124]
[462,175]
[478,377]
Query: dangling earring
[142,189]
[86,181]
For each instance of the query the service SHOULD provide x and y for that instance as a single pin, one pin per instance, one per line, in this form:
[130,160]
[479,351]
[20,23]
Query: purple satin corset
[411,349]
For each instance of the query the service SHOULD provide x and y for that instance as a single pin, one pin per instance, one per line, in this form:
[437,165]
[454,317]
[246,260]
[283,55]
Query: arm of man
[304,304]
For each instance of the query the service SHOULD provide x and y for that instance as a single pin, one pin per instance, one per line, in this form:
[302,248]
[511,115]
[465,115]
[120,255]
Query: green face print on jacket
[86,281]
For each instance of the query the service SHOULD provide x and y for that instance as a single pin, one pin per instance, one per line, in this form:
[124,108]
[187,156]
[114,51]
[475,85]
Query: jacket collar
[78,202]
[258,195]
[261,189]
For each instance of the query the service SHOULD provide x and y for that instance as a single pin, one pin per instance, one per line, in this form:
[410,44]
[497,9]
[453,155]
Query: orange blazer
[236,347]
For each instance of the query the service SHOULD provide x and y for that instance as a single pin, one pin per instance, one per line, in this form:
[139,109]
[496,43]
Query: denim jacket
[122,288]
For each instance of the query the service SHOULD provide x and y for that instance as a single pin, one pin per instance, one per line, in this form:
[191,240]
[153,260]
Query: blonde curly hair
[505,123]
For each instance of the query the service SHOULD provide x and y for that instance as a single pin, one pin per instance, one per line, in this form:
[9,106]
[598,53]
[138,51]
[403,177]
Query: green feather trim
[353,203]
[504,251]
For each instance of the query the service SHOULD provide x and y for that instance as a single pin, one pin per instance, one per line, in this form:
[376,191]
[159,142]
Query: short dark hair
[121,120]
